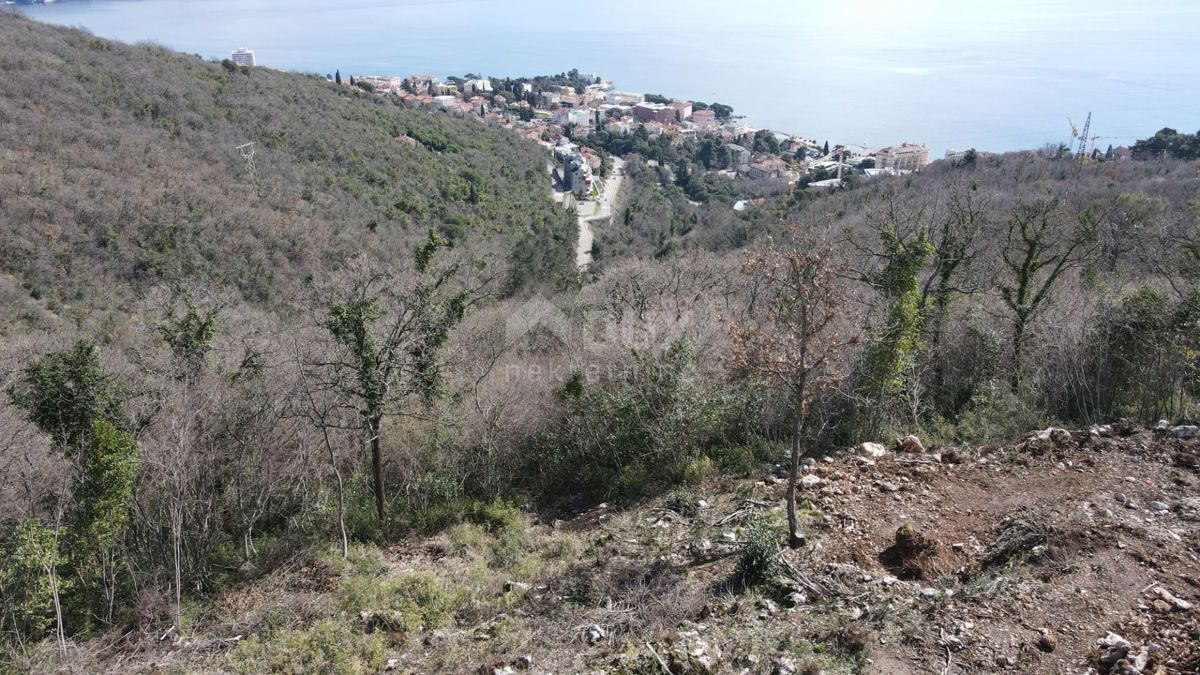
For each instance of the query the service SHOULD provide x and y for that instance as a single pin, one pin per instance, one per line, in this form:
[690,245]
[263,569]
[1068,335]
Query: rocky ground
[1069,552]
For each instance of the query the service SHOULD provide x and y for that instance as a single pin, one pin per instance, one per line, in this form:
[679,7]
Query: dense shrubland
[120,172]
[201,384]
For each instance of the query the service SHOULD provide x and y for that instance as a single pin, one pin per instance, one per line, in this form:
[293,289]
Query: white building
[477,87]
[243,57]
[905,157]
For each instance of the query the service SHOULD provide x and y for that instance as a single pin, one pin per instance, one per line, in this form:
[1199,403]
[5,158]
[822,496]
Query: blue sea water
[1000,75]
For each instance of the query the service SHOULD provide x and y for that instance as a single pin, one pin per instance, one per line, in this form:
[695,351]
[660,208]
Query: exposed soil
[1011,559]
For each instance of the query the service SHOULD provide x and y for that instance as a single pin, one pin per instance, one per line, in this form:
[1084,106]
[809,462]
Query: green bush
[415,602]
[759,561]
[329,646]
[993,414]
[26,588]
[652,428]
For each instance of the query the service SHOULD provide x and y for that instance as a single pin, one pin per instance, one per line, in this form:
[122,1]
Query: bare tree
[1042,246]
[793,342]
[389,329]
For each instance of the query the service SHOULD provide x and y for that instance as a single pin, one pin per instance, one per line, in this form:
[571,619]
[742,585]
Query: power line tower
[247,150]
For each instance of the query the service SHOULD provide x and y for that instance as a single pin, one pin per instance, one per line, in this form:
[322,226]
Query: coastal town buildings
[576,170]
[767,168]
[474,87]
[705,120]
[903,157]
[655,112]
[683,110]
[243,57]
[562,117]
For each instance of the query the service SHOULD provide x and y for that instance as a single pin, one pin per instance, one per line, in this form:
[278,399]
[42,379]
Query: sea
[952,74]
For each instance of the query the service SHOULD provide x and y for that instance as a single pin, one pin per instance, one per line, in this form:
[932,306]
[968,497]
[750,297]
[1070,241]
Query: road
[594,210]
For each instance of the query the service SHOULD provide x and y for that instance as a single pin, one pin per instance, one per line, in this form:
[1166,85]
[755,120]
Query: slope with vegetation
[121,171]
[320,420]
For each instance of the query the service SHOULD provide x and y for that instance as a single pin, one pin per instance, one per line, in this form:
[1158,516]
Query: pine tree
[337,76]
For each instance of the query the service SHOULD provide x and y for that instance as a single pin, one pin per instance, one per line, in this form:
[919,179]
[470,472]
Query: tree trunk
[1018,344]
[795,539]
[177,551]
[373,425]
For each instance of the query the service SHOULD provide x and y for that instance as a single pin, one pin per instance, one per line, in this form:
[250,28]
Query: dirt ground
[1020,559]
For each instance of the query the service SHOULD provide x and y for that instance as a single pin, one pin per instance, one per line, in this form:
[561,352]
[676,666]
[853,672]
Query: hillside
[118,172]
[1029,556]
[357,410]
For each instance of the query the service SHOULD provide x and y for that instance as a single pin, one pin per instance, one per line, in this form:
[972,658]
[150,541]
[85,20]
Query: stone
[1101,430]
[796,599]
[1160,507]
[1047,642]
[1168,597]
[506,670]
[595,634]
[783,666]
[1189,509]
[517,586]
[810,482]
[691,654]
[1113,640]
[1185,432]
[910,444]
[1115,648]
[524,662]
[1163,426]
[390,665]
[767,607]
[887,487]
[1121,497]
[869,449]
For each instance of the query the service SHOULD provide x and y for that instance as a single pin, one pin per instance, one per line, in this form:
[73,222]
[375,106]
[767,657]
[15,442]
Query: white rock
[1160,507]
[810,482]
[869,449]
[594,634]
[1113,640]
[1179,603]
[1185,432]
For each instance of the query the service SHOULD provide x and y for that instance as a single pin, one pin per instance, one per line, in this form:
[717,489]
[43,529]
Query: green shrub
[653,427]
[994,413]
[497,515]
[26,590]
[328,646]
[416,602]
[759,562]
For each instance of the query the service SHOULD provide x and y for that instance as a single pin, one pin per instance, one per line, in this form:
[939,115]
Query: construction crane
[1086,141]
[1083,137]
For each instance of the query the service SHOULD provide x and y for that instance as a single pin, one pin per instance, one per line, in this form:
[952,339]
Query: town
[576,114]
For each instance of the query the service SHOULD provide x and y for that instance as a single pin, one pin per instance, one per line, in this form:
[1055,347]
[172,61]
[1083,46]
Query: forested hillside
[120,171]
